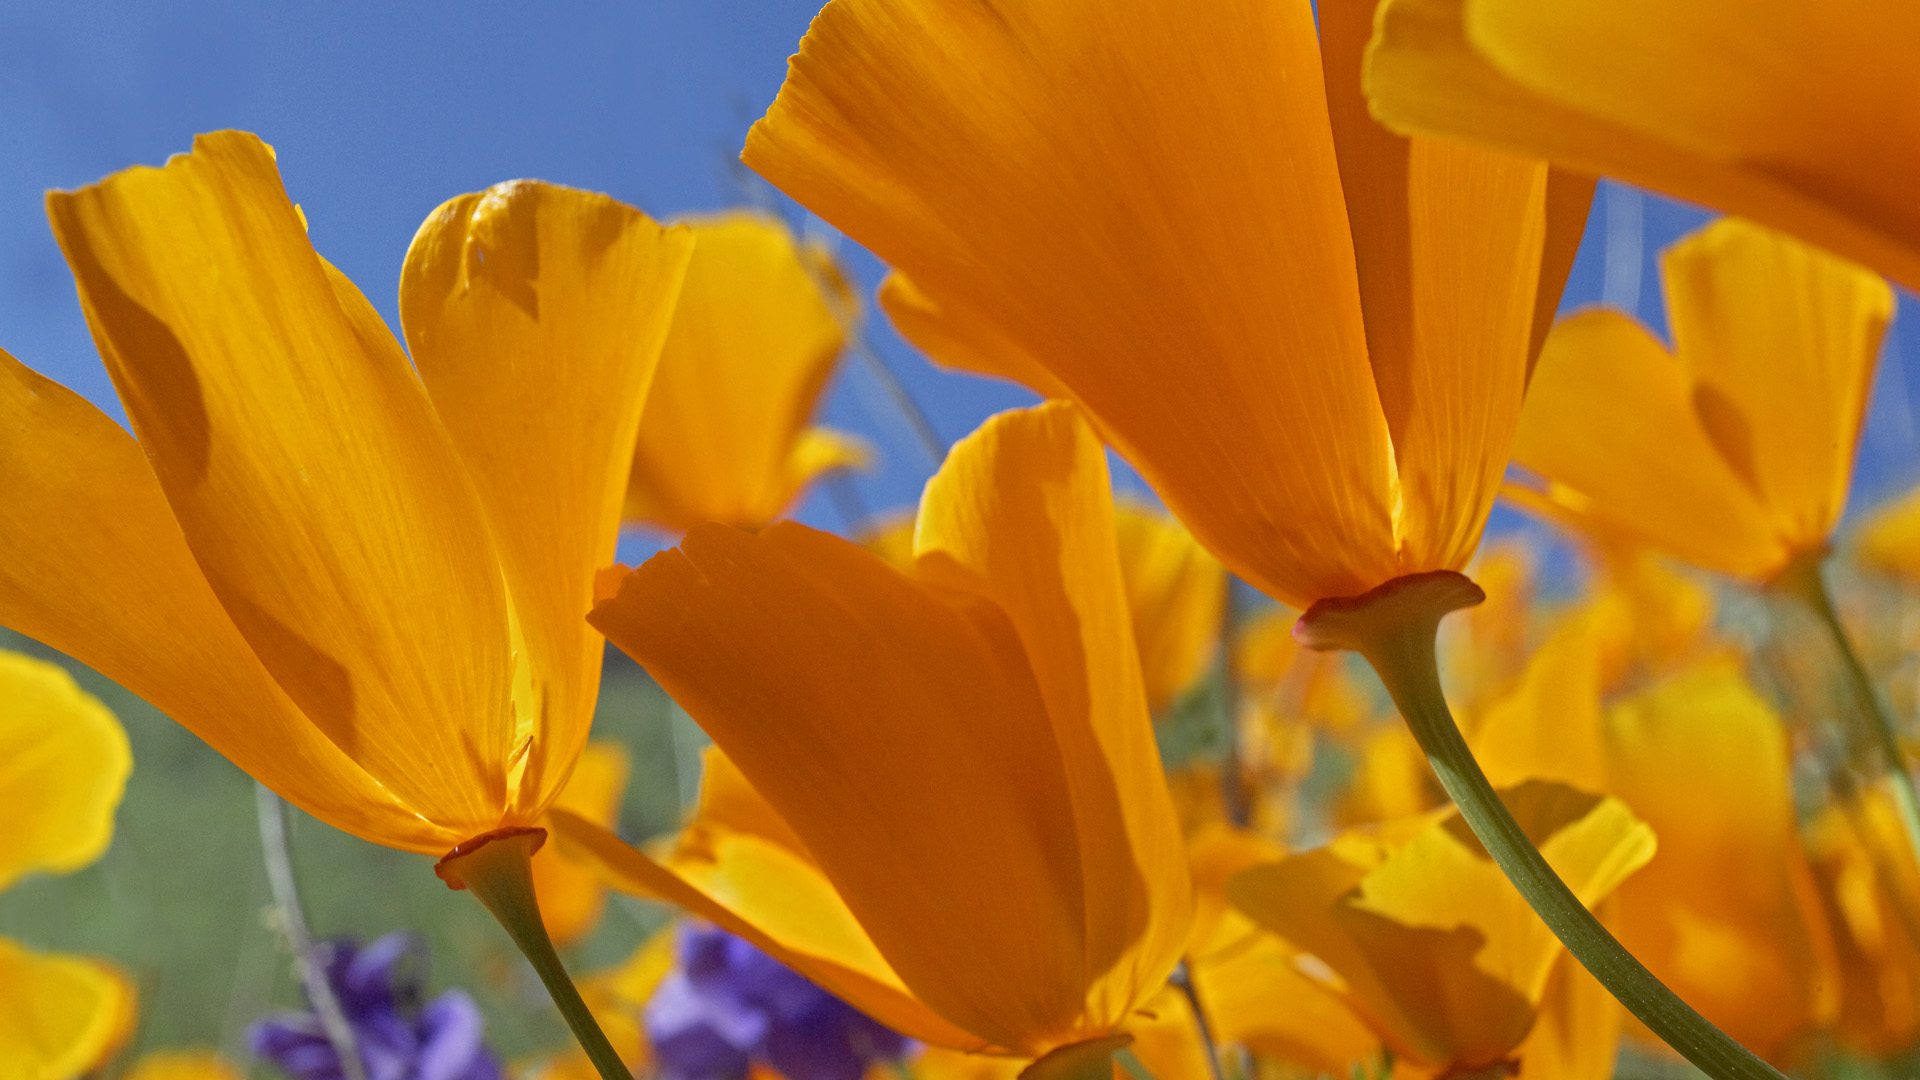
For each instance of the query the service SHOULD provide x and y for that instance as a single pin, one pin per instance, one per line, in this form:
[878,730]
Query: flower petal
[182,1065]
[535,314]
[1181,265]
[62,1015]
[899,731]
[756,334]
[1657,477]
[1797,118]
[571,896]
[92,563]
[1022,514]
[1176,593]
[1787,336]
[1449,239]
[64,761]
[954,337]
[1577,1036]
[780,903]
[305,466]
[1726,914]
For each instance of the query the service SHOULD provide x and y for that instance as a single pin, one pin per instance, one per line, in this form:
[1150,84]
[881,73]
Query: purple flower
[379,990]
[728,1005]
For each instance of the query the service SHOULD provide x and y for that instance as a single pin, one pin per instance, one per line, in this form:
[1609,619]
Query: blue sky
[379,112]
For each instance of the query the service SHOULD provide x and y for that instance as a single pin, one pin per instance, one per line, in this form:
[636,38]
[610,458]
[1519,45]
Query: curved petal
[62,1014]
[304,464]
[1658,476]
[1176,593]
[1449,240]
[1726,914]
[64,761]
[1889,539]
[571,896]
[535,314]
[1799,118]
[780,903]
[1577,1035]
[1788,336]
[898,730]
[756,334]
[92,563]
[1022,514]
[953,337]
[1181,264]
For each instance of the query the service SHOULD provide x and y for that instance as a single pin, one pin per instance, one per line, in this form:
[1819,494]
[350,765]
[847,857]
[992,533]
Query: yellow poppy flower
[1176,593]
[360,579]
[1739,455]
[571,893]
[1309,335]
[1725,912]
[1805,117]
[183,1065]
[67,764]
[964,829]
[1868,884]
[726,434]
[1418,931]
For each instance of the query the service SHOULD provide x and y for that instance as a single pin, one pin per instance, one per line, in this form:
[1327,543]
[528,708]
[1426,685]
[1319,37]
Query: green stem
[1803,581]
[1182,980]
[498,868]
[1394,628]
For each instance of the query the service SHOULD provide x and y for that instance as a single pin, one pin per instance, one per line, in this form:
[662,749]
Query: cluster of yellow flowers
[1299,269]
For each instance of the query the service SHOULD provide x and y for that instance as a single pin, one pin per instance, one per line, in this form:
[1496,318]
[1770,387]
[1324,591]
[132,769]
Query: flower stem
[1393,627]
[1802,581]
[277,853]
[497,868]
[1182,981]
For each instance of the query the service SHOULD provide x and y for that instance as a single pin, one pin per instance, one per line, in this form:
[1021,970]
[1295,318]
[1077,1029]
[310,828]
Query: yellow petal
[1569,198]
[900,733]
[62,1016]
[64,761]
[1788,336]
[954,337]
[1868,879]
[1021,513]
[1548,728]
[1802,119]
[1725,914]
[1889,539]
[182,1065]
[727,801]
[778,901]
[1449,240]
[1577,1035]
[940,1063]
[535,314]
[305,466]
[756,334]
[571,896]
[1176,593]
[1658,476]
[1167,1040]
[92,563]
[1181,266]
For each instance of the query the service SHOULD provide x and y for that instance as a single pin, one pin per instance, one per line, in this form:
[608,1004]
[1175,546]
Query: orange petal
[1577,1036]
[1726,913]
[1449,240]
[305,466]
[1798,118]
[729,802]
[1256,997]
[757,332]
[92,563]
[571,896]
[1176,593]
[1021,513]
[1548,727]
[64,761]
[535,314]
[1658,478]
[954,337]
[1788,336]
[1182,266]
[899,731]
[62,1014]
[778,901]
[183,1065]
[1889,538]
